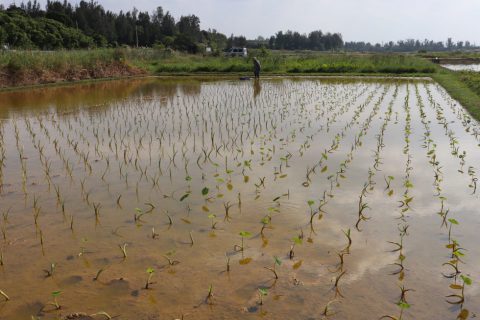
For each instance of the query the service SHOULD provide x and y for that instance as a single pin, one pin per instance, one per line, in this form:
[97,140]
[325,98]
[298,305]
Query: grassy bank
[463,87]
[20,68]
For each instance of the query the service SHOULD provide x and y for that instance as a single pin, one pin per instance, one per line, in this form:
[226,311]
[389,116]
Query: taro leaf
[56,293]
[245,234]
[205,208]
[297,240]
[246,179]
[453,221]
[466,280]
[263,291]
[211,216]
[311,202]
[265,220]
[297,264]
[229,171]
[184,196]
[324,169]
[138,210]
[277,261]
[391,178]
[150,270]
[188,178]
[390,193]
[229,186]
[403,305]
[283,176]
[205,191]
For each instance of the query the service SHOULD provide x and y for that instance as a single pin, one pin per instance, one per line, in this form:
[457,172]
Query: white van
[237,52]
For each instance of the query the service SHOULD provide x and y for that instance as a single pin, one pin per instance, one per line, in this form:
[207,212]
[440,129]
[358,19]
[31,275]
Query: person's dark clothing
[256,68]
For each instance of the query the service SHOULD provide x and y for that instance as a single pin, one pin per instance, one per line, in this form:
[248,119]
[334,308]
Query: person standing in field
[256,68]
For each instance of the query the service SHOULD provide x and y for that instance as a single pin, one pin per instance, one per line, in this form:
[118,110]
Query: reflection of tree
[71,97]
[257,88]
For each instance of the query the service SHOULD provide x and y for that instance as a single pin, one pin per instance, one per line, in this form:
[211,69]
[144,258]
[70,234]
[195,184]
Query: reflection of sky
[462,67]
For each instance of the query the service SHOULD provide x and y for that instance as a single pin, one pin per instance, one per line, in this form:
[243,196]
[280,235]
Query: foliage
[20,31]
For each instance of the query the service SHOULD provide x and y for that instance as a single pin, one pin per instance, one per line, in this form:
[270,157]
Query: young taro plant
[276,262]
[150,273]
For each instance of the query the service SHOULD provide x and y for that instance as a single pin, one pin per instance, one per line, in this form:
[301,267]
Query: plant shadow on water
[205,199]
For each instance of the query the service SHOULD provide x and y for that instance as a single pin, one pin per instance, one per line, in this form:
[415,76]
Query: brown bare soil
[16,78]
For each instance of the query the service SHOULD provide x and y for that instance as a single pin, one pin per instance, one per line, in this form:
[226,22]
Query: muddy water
[174,171]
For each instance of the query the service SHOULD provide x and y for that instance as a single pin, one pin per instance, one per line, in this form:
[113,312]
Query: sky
[356,20]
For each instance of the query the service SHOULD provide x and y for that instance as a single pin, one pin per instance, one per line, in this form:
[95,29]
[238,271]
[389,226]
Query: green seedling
[55,303]
[262,292]
[150,273]
[276,262]
[243,235]
[296,241]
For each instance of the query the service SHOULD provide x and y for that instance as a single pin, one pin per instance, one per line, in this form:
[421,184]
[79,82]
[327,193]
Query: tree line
[410,45]
[87,24]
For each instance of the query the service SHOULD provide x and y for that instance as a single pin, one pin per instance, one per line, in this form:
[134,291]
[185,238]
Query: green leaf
[278,262]
[297,240]
[453,221]
[56,293]
[403,305]
[263,291]
[466,280]
[205,191]
[311,202]
[150,270]
[245,234]
[184,196]
[188,178]
[211,216]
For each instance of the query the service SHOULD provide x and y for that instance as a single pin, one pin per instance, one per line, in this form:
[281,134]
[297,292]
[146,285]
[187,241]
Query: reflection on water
[462,67]
[192,188]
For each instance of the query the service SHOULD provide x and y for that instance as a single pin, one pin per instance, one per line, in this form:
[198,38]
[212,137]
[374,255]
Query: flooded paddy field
[462,67]
[279,199]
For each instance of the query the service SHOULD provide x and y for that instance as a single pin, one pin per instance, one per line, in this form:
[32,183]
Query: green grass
[301,63]
[16,61]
